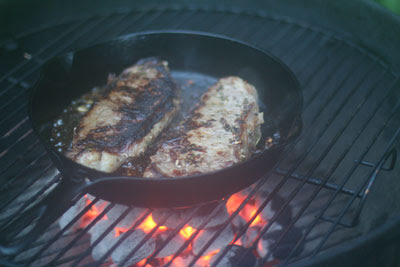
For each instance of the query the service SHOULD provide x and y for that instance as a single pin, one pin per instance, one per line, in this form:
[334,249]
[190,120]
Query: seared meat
[223,130]
[133,110]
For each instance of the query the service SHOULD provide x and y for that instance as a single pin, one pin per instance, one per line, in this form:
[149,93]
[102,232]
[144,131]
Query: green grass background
[393,5]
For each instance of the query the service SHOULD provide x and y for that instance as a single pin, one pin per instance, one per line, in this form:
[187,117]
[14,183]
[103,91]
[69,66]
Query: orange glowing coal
[187,231]
[148,224]
[178,262]
[119,231]
[92,213]
[205,260]
[238,242]
[248,211]
[141,263]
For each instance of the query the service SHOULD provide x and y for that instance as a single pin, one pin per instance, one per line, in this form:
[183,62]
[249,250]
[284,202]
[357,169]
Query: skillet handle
[47,210]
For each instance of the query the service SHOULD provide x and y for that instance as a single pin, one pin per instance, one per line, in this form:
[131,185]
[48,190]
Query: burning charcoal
[249,236]
[183,261]
[70,215]
[222,240]
[99,229]
[186,259]
[238,222]
[178,216]
[267,213]
[106,243]
[174,219]
[172,246]
[273,207]
[123,250]
[288,242]
[135,214]
[234,257]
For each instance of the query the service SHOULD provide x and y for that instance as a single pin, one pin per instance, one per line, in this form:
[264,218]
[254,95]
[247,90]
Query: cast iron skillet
[192,53]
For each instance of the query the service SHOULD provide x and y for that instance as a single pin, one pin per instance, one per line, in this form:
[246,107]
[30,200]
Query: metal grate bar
[346,208]
[21,157]
[216,234]
[220,230]
[63,46]
[68,43]
[31,200]
[60,48]
[24,187]
[204,24]
[301,47]
[290,38]
[77,37]
[316,181]
[51,253]
[7,134]
[335,68]
[142,242]
[289,174]
[294,192]
[62,231]
[174,233]
[373,88]
[18,133]
[283,28]
[124,236]
[15,116]
[259,184]
[392,155]
[27,131]
[349,174]
[16,97]
[48,45]
[101,237]
[81,234]
[295,166]
[255,29]
[81,32]
[7,183]
[143,23]
[335,92]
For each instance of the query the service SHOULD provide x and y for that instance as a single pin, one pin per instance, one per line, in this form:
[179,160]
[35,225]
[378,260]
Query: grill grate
[351,105]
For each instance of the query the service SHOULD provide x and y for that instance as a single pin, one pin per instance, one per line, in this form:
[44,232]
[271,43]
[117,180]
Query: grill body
[346,63]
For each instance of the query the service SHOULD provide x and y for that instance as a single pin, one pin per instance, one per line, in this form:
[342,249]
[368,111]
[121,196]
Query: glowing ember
[92,213]
[205,260]
[119,231]
[178,262]
[248,211]
[238,242]
[148,224]
[187,231]
[141,263]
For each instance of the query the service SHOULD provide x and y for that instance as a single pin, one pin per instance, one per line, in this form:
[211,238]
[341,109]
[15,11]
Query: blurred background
[393,5]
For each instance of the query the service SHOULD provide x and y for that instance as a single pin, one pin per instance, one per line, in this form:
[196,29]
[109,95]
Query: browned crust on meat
[132,104]
[242,132]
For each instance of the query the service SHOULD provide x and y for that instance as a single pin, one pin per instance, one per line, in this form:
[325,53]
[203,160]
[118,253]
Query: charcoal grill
[338,180]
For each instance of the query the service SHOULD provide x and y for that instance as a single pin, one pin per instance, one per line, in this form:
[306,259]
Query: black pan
[191,55]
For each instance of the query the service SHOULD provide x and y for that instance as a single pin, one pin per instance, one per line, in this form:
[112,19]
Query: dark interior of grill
[331,199]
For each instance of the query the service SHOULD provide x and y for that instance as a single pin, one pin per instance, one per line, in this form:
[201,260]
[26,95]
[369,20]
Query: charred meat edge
[223,130]
[133,110]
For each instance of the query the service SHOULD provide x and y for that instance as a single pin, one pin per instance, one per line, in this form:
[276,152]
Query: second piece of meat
[223,130]
[134,109]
